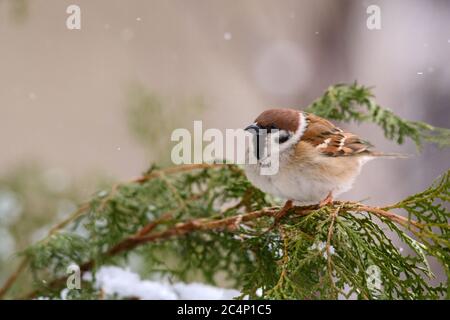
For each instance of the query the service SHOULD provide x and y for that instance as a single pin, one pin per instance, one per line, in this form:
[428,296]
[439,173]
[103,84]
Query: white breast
[309,182]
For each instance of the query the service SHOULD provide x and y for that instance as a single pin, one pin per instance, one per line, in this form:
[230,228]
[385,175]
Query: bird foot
[328,200]
[280,214]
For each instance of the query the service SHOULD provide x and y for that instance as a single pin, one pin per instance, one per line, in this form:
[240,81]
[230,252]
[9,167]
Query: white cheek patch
[297,135]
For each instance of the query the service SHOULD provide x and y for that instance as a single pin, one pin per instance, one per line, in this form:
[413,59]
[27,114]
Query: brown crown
[283,119]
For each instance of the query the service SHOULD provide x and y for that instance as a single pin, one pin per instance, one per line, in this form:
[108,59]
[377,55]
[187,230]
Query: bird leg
[328,200]
[280,214]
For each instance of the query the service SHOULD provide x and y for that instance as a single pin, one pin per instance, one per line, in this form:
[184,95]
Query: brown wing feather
[331,140]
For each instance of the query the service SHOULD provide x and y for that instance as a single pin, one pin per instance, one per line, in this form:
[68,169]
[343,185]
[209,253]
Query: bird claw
[328,200]
[280,214]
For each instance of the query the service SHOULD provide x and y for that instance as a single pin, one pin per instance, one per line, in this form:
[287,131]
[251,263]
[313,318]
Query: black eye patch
[283,137]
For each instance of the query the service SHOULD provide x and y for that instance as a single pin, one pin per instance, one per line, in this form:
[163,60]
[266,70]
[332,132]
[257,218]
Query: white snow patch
[125,283]
[259,292]
[198,291]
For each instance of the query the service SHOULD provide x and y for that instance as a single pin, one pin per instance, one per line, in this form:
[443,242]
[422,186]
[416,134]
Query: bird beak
[253,127]
[254,130]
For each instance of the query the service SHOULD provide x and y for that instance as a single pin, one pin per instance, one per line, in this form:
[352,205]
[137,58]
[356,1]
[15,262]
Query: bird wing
[331,140]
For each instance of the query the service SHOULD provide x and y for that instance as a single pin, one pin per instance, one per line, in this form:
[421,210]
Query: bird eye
[283,137]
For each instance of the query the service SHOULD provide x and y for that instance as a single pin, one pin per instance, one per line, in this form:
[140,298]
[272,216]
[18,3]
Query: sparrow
[317,160]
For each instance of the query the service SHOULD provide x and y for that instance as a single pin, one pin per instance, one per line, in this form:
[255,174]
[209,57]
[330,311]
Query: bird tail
[390,155]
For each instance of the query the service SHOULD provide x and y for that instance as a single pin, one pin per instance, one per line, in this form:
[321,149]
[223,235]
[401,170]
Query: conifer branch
[356,103]
[144,235]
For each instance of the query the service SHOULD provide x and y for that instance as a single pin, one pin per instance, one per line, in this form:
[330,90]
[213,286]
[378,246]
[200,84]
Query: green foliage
[430,208]
[325,254]
[355,103]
